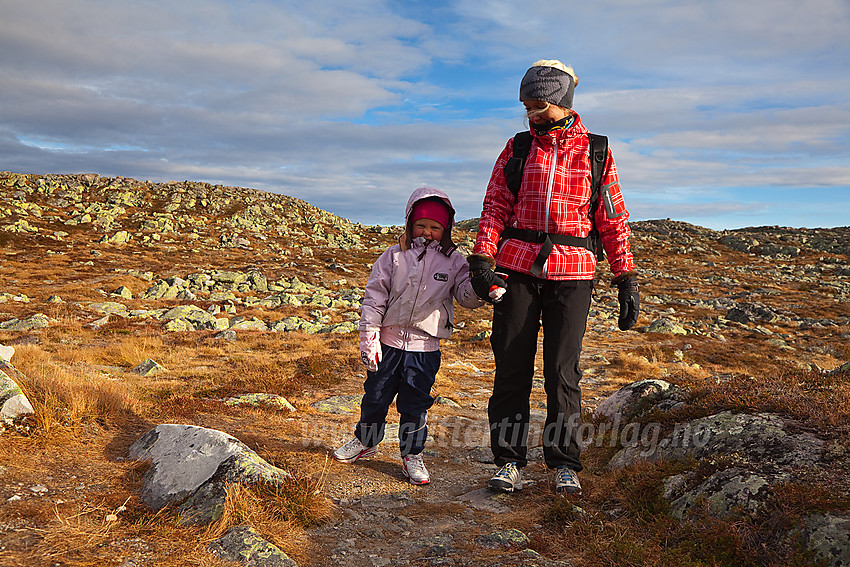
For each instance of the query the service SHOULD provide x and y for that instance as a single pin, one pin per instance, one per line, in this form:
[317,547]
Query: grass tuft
[68,397]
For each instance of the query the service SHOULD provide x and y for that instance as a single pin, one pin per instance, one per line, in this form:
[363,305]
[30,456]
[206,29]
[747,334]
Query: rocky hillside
[716,431]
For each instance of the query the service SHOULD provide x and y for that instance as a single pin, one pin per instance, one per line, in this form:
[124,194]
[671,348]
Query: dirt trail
[381,519]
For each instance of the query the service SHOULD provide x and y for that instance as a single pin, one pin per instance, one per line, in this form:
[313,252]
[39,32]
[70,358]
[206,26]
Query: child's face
[429,229]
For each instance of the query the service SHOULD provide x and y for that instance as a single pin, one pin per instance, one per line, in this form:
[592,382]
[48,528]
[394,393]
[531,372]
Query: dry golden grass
[67,397]
[627,367]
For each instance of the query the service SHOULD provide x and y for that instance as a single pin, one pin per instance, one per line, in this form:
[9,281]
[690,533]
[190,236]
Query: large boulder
[191,467]
[724,492]
[761,437]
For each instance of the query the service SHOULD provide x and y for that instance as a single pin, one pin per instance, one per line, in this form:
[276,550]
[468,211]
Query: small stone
[148,368]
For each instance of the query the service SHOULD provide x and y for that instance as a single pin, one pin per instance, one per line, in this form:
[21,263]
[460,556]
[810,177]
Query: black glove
[483,277]
[629,299]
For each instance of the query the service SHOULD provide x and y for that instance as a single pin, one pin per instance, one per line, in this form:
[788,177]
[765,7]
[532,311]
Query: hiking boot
[507,479]
[566,481]
[354,450]
[414,469]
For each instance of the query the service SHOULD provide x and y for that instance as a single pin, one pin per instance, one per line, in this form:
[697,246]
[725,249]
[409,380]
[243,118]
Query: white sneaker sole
[504,486]
[415,482]
[364,454]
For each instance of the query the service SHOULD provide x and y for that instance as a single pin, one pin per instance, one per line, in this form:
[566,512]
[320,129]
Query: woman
[540,242]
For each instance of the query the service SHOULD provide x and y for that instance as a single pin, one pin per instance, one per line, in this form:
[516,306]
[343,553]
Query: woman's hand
[483,277]
[629,299]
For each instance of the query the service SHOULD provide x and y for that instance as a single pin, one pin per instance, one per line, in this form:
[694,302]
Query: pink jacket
[410,294]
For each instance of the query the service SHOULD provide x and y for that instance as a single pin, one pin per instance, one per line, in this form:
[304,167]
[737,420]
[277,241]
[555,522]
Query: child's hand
[370,360]
[496,293]
[370,350]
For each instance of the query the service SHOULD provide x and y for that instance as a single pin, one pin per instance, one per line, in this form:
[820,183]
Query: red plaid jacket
[555,201]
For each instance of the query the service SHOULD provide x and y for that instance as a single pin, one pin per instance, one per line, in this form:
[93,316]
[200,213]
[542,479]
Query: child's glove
[370,350]
[483,277]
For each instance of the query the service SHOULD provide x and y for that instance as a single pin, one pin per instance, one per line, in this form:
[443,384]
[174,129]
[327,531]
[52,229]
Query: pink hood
[446,244]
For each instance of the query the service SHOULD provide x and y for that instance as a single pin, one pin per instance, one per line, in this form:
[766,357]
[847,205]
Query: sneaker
[354,450]
[507,479]
[414,470]
[566,480]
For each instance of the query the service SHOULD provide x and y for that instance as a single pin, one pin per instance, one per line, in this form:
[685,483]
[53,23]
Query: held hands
[370,350]
[629,299]
[484,279]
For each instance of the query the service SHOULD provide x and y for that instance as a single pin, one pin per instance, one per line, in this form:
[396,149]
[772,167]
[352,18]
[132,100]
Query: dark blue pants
[562,306]
[410,376]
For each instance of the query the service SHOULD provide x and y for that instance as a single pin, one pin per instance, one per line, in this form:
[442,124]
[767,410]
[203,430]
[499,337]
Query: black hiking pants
[562,306]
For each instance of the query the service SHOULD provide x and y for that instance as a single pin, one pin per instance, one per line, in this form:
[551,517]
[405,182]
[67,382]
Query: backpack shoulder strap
[516,164]
[598,156]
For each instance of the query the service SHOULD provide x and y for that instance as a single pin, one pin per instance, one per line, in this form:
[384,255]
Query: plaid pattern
[568,206]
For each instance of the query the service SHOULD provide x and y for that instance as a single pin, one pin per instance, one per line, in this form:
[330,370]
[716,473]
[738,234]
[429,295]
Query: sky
[721,113]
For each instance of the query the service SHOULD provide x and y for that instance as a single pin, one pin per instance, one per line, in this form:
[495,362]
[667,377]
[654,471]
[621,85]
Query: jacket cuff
[624,276]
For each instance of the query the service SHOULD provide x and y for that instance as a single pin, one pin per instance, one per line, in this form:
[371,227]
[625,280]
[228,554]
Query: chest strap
[548,240]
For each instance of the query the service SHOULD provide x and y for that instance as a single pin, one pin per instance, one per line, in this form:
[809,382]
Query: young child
[408,307]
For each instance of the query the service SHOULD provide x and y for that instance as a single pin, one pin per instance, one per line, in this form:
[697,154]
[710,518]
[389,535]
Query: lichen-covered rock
[828,536]
[259,399]
[288,324]
[13,402]
[339,404]
[178,325]
[341,328]
[110,308]
[148,367]
[196,318]
[761,437]
[182,312]
[191,465]
[120,237]
[754,312]
[504,539]
[123,291]
[725,492]
[245,545]
[667,327]
[37,321]
[633,398]
[252,324]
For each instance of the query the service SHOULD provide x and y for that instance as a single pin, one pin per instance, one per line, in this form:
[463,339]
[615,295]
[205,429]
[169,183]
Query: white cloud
[352,107]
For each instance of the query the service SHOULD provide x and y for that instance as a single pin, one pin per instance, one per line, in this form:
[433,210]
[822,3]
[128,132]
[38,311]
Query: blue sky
[721,113]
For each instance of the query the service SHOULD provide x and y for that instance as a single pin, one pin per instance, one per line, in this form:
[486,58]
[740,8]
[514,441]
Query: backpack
[513,176]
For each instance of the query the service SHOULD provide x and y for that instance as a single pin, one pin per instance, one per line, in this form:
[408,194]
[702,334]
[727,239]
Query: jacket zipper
[415,297]
[550,183]
[550,187]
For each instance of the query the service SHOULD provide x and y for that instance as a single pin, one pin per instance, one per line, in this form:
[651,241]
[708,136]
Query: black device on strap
[514,169]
